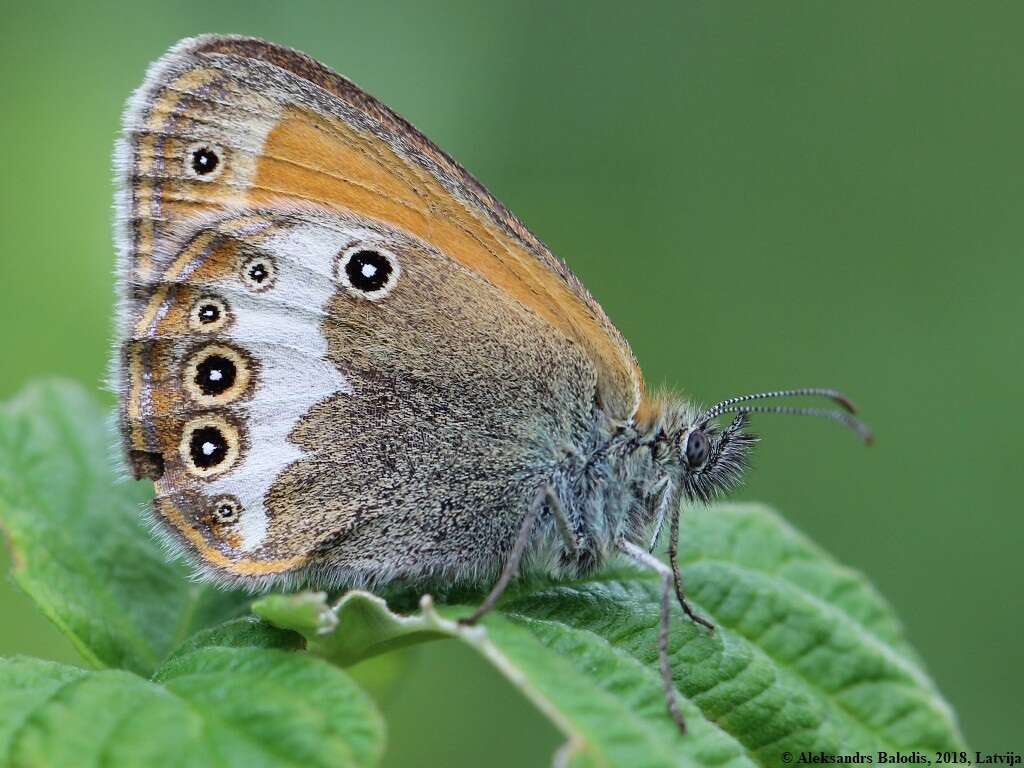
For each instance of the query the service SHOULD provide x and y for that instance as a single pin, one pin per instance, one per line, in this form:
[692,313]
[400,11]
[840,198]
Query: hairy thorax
[614,483]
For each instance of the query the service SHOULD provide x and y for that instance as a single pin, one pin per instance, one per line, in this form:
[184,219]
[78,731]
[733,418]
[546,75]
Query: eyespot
[226,510]
[258,272]
[217,375]
[209,314]
[371,273]
[204,161]
[697,449]
[209,446]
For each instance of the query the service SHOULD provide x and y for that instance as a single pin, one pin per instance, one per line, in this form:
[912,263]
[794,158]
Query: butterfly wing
[290,422]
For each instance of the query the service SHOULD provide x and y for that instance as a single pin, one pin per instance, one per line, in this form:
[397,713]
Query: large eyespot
[258,272]
[697,449]
[209,314]
[217,375]
[369,272]
[209,446]
[225,510]
[204,161]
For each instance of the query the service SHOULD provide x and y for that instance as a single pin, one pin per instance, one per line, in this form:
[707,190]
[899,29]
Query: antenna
[732,405]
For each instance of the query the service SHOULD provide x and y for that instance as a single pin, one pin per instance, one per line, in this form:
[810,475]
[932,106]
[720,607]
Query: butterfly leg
[677,576]
[662,489]
[645,559]
[572,546]
[512,564]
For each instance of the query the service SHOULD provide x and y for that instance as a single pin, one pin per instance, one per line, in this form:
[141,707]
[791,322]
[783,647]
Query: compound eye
[697,449]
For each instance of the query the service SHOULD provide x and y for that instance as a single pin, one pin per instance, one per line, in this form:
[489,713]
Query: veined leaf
[806,655]
[237,698]
[80,547]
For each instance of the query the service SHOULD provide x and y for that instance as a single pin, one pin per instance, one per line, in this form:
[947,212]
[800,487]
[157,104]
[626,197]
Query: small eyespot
[226,510]
[209,314]
[697,449]
[204,161]
[258,272]
[209,446]
[217,375]
[371,273]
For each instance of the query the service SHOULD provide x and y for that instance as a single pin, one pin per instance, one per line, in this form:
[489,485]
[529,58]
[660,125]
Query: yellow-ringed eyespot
[210,446]
[225,510]
[217,375]
[368,271]
[258,272]
[209,314]
[204,161]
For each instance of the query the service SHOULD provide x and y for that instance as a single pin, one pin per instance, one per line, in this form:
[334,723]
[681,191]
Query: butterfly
[343,362]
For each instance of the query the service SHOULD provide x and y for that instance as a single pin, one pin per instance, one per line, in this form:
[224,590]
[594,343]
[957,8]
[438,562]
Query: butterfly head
[712,459]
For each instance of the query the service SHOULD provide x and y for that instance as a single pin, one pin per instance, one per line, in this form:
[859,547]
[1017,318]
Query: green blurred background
[761,195]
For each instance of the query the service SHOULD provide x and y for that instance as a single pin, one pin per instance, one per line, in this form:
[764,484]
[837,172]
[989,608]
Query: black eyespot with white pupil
[204,161]
[225,510]
[208,313]
[368,270]
[258,272]
[208,447]
[697,449]
[215,375]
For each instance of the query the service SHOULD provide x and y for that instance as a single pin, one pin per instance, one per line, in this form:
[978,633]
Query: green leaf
[80,545]
[806,655]
[237,699]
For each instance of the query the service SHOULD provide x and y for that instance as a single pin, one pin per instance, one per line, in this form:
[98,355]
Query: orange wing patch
[310,157]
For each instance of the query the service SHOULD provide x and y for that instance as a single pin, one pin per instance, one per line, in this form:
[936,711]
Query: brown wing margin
[435,161]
